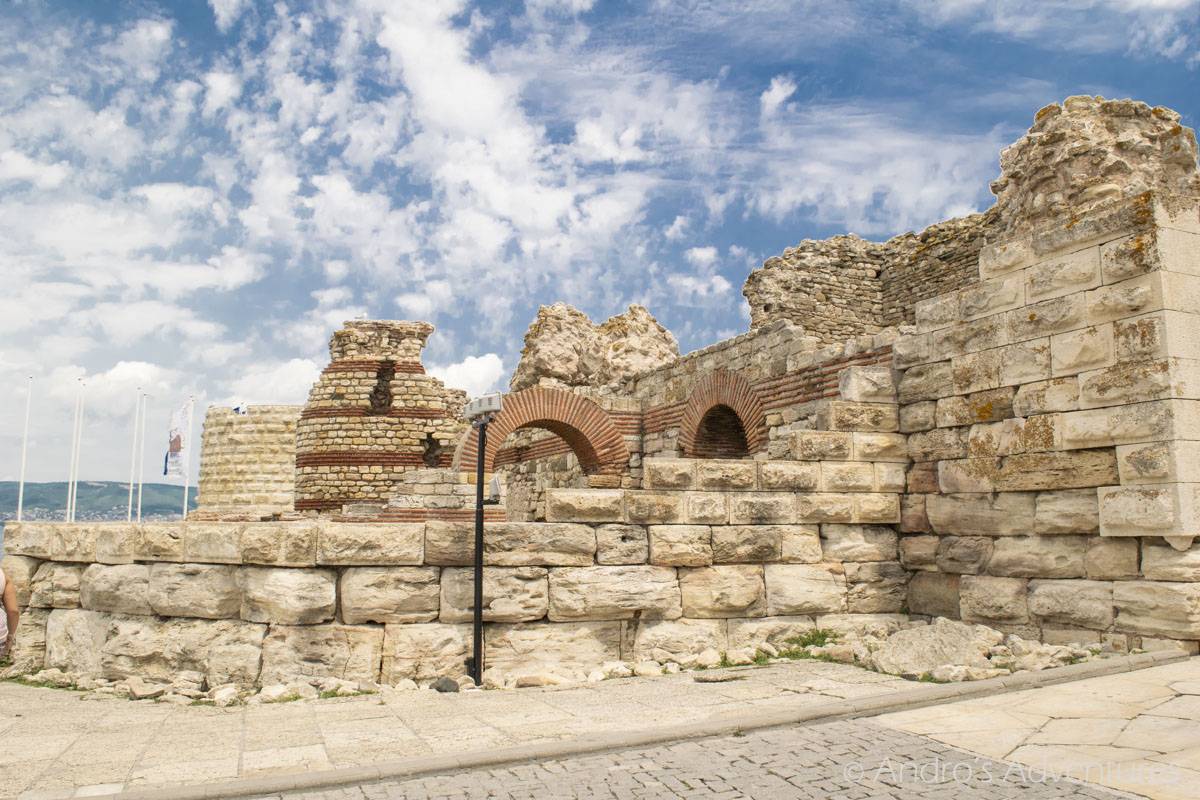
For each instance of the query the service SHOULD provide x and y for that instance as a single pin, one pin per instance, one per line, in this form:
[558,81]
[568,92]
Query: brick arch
[584,425]
[723,388]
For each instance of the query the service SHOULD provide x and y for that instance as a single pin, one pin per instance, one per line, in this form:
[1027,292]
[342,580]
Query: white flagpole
[142,454]
[78,450]
[187,456]
[24,450]
[137,413]
[71,464]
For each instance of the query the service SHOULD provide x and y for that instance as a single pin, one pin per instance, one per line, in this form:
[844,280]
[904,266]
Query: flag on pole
[176,461]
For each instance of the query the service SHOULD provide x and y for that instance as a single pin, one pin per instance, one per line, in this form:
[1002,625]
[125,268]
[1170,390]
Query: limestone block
[653,508]
[890,477]
[992,296]
[73,542]
[1133,424]
[879,587]
[838,415]
[805,589]
[1129,298]
[1025,362]
[116,543]
[915,651]
[510,594]
[225,651]
[678,641]
[1166,509]
[877,625]
[622,544]
[212,542]
[1144,337]
[669,473]
[706,508]
[1111,559]
[511,544]
[825,507]
[847,476]
[910,350]
[913,518]
[968,337]
[889,447]
[968,475]
[936,312]
[389,594]
[30,539]
[986,406]
[159,541]
[964,554]
[1058,394]
[858,543]
[628,592]
[74,638]
[1158,609]
[976,372]
[938,444]
[726,475]
[723,591]
[348,652]
[681,545]
[288,596]
[1082,350]
[1135,382]
[822,445]
[876,508]
[1165,563]
[1057,470]
[779,632]
[1073,272]
[368,544]
[800,544]
[867,384]
[1159,462]
[1007,514]
[739,544]
[585,505]
[919,552]
[934,594]
[923,478]
[280,544]
[990,600]
[208,591]
[920,416]
[746,508]
[926,382]
[1039,557]
[28,651]
[117,589]
[424,652]
[791,476]
[567,649]
[1088,604]
[1067,511]
[19,572]
[1048,317]
[55,585]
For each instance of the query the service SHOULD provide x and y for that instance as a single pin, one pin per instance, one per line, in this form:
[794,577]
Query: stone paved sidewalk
[1137,731]
[54,745]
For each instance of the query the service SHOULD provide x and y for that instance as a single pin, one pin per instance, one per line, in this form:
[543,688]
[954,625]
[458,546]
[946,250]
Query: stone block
[822,445]
[875,508]
[938,444]
[838,415]
[1057,470]
[1005,257]
[570,650]
[987,406]
[964,555]
[32,539]
[1158,609]
[1111,559]
[73,542]
[159,541]
[511,544]
[600,593]
[910,350]
[723,591]
[1136,382]
[622,544]
[1159,462]
[1166,509]
[867,384]
[920,416]
[424,652]
[207,591]
[761,508]
[726,475]
[1063,275]
[878,587]
[371,543]
[919,552]
[212,542]
[117,589]
[1025,362]
[510,594]
[847,476]
[74,640]
[1127,299]
[989,600]
[1067,511]
[741,544]
[923,478]
[934,594]
[936,312]
[1048,317]
[116,543]
[823,507]
[889,447]
[968,337]
[389,594]
[1142,338]
[55,585]
[801,544]
[224,651]
[805,589]
[706,508]
[992,296]
[1165,563]
[1133,424]
[288,596]
[681,545]
[678,641]
[1081,350]
[1008,514]
[976,372]
[1058,394]
[968,475]
[1039,557]
[280,544]
[858,543]
[19,572]
[27,653]
[653,508]
[879,625]
[913,518]
[1088,604]
[926,382]
[348,652]
[779,632]
[790,476]
[585,505]
[890,476]
[669,473]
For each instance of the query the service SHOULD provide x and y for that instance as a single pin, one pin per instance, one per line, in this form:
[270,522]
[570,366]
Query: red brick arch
[584,425]
[723,388]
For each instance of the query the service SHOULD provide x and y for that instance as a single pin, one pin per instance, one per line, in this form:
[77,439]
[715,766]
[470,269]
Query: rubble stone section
[249,464]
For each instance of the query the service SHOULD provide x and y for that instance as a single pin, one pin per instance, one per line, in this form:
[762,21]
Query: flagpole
[142,454]
[24,450]
[71,464]
[78,450]
[137,413]
[187,455]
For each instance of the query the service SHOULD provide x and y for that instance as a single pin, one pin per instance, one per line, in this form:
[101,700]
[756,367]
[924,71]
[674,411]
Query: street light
[480,411]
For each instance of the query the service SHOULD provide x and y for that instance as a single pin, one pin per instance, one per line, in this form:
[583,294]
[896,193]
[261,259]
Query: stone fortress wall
[1003,430]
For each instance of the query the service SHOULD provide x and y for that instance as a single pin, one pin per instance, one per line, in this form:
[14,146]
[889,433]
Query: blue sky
[194,195]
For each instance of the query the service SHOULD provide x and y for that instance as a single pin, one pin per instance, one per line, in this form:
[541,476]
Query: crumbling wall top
[382,339]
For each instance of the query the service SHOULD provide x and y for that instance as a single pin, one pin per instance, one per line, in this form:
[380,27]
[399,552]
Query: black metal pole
[477,653]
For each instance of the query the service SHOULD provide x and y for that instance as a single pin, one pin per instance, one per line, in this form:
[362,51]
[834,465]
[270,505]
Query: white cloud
[17,167]
[142,47]
[226,12]
[782,87]
[220,90]
[692,289]
[701,256]
[678,227]
[475,375]
[282,382]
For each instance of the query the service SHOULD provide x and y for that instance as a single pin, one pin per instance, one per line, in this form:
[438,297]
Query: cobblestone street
[843,760]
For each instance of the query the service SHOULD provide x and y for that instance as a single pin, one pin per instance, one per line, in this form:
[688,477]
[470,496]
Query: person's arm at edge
[12,612]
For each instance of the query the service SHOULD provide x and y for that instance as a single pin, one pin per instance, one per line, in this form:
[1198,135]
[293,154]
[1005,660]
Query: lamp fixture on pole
[480,411]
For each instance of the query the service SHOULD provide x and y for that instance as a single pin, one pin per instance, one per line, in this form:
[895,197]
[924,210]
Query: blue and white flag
[176,460]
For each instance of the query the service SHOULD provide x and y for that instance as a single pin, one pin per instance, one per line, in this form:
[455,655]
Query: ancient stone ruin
[996,420]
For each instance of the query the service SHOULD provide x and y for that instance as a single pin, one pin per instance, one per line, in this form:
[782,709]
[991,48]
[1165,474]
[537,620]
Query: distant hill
[94,500]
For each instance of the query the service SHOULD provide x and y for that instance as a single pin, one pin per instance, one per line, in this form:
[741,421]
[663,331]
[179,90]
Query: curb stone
[718,725]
